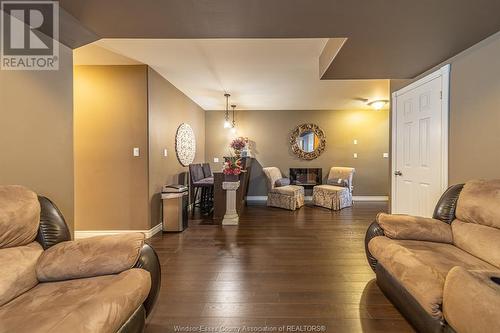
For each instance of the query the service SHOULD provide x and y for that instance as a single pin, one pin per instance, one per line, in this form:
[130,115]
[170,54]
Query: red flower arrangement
[232,166]
[238,143]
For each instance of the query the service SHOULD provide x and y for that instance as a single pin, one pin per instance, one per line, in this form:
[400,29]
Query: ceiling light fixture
[233,125]
[227,124]
[378,104]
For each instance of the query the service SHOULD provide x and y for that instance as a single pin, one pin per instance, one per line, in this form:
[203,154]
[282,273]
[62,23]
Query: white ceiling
[260,74]
[92,54]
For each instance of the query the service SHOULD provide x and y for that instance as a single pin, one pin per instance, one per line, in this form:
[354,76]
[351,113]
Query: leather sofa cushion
[18,270]
[478,203]
[478,240]
[19,216]
[415,228]
[89,257]
[421,267]
[471,301]
[101,304]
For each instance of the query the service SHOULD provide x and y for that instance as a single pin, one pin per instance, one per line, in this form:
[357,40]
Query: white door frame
[444,73]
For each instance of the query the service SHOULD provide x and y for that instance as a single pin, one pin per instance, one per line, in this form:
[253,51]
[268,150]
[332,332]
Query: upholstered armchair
[337,192]
[443,273]
[280,193]
[50,283]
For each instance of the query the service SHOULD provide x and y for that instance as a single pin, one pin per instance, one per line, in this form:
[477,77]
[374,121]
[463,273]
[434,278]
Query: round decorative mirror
[308,141]
[185,144]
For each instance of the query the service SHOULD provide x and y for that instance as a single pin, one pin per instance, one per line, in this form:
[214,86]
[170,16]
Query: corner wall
[475,114]
[111,185]
[118,108]
[168,107]
[36,131]
[270,131]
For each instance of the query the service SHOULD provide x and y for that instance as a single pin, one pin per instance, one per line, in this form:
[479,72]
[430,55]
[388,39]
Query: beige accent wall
[474,150]
[270,130]
[36,131]
[118,108]
[168,108]
[111,118]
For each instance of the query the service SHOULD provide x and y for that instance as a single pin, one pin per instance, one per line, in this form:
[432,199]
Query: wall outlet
[165,152]
[385,155]
[355,155]
[136,152]
[216,160]
[355,141]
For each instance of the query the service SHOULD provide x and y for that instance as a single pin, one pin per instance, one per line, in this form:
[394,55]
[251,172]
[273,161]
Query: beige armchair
[337,192]
[280,193]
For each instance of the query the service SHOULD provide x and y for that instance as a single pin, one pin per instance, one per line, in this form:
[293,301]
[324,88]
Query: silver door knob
[398,173]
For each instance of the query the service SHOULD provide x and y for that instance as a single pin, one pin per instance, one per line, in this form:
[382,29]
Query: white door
[420,144]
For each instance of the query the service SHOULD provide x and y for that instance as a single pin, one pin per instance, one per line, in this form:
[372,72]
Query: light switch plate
[165,152]
[385,155]
[355,155]
[355,141]
[136,151]
[216,160]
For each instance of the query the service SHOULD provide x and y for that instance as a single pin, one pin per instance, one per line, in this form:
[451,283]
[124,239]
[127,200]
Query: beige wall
[270,131]
[474,130]
[36,131]
[474,149]
[111,185]
[168,108]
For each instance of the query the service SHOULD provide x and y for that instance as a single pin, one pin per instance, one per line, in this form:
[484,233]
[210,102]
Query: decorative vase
[231,178]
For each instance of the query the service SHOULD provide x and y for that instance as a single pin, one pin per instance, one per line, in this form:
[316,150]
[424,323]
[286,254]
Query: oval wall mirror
[308,141]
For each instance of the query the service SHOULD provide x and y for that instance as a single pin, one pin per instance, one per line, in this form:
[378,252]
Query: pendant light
[233,125]
[227,124]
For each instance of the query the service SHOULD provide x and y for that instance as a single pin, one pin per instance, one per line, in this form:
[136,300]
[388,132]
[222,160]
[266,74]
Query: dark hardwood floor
[276,268]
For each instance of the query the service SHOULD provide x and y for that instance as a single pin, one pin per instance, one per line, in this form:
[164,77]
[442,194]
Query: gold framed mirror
[308,141]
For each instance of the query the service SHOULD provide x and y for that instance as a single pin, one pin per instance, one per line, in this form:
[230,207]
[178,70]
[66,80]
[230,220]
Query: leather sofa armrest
[406,227]
[447,204]
[148,260]
[471,300]
[374,230]
[52,229]
[89,257]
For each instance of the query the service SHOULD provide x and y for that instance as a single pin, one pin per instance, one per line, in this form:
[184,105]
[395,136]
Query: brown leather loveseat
[443,273]
[49,283]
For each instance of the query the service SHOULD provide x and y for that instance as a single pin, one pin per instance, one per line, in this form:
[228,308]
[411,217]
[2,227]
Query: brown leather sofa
[52,284]
[443,273]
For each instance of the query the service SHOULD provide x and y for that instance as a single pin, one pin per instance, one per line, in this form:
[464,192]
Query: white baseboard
[91,233]
[257,198]
[309,198]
